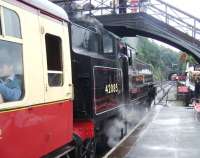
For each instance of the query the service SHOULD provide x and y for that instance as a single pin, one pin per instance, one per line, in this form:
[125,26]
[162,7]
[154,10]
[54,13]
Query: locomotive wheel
[86,149]
[90,149]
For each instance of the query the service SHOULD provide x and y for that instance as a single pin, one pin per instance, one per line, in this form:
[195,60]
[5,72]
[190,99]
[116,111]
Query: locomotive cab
[97,73]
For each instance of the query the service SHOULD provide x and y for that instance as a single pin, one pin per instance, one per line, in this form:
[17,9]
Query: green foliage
[163,60]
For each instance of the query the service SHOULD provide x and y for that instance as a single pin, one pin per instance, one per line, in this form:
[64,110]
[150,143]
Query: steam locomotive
[74,78]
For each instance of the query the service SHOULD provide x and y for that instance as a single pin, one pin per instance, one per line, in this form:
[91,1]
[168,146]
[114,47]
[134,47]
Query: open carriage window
[54,60]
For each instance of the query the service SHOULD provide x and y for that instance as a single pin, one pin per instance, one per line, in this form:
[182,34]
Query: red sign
[183,89]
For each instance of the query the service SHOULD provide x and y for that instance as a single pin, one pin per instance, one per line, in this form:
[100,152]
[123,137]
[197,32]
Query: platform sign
[183,89]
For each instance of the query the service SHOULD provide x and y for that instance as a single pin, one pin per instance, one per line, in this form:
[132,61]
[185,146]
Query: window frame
[3,31]
[61,61]
[89,30]
[7,38]
[113,43]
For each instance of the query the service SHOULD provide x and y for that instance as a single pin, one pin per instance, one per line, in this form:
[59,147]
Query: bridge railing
[175,17]
[159,9]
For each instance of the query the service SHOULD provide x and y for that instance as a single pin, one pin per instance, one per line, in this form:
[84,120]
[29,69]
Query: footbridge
[150,18]
[129,25]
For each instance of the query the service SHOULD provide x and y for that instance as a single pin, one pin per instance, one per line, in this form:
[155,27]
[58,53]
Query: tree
[160,57]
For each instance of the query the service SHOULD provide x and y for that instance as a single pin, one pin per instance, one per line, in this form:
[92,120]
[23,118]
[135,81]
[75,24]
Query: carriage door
[53,42]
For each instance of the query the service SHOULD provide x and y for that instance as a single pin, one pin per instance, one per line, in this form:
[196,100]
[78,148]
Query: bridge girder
[129,25]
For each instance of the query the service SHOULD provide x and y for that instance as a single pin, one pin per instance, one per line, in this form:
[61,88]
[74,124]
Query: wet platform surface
[173,133]
[170,131]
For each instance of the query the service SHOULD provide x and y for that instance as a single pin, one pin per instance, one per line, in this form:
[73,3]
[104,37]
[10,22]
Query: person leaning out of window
[10,87]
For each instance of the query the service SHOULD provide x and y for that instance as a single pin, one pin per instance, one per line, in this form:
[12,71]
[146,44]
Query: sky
[189,6]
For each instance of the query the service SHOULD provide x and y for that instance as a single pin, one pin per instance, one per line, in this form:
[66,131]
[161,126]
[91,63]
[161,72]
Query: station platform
[169,131]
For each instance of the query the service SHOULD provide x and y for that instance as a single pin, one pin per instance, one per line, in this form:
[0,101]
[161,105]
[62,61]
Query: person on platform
[122,6]
[134,5]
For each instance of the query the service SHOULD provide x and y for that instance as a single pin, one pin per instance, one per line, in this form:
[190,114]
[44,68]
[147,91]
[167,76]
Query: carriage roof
[47,6]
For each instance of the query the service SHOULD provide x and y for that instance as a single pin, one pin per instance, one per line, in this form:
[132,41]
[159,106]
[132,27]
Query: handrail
[169,13]
[169,5]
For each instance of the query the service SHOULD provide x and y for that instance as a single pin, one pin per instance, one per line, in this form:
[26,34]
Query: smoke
[89,19]
[88,22]
[128,117]
[113,131]
[131,115]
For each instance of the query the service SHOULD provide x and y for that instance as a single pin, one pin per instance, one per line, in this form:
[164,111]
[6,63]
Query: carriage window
[107,44]
[84,40]
[12,23]
[11,72]
[54,60]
